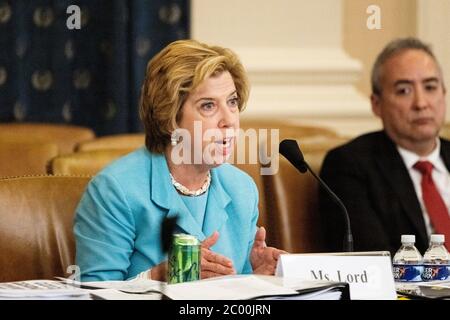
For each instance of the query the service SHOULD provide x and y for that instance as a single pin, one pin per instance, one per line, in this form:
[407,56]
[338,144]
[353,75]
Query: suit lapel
[392,167]
[445,152]
[165,196]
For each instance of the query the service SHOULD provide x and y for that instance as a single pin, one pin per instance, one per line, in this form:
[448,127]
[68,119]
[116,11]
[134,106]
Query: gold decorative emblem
[5,13]
[42,80]
[43,17]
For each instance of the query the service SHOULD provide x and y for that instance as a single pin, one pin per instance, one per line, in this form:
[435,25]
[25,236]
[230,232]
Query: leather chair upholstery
[445,131]
[117,141]
[84,163]
[287,130]
[18,159]
[320,145]
[64,136]
[36,220]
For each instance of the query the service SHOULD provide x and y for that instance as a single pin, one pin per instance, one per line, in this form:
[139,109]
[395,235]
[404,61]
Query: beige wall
[433,24]
[292,50]
[398,19]
[310,61]
[266,23]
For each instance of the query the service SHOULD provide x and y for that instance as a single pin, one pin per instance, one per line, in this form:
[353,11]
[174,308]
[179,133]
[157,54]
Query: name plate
[369,277]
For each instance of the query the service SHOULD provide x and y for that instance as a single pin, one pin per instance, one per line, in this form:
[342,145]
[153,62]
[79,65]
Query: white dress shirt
[440,174]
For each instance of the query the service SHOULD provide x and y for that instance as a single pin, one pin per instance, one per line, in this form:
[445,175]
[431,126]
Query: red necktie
[436,208]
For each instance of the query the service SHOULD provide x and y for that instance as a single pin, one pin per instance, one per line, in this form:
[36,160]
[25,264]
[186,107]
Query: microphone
[291,151]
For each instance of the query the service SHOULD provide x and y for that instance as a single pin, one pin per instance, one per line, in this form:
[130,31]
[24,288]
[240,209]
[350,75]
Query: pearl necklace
[185,191]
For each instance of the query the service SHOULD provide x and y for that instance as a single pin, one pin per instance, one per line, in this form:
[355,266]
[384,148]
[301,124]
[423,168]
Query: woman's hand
[213,264]
[263,259]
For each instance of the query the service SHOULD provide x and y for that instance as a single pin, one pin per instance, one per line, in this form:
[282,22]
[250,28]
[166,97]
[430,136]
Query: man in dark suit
[381,177]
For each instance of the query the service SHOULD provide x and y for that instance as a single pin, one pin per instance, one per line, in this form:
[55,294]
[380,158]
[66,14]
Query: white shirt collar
[410,158]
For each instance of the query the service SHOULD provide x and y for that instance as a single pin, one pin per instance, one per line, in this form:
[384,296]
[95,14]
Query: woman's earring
[174,139]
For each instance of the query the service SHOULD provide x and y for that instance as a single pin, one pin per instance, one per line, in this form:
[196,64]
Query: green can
[184,259]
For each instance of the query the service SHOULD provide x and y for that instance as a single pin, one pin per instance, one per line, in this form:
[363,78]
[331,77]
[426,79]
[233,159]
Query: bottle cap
[437,238]
[408,238]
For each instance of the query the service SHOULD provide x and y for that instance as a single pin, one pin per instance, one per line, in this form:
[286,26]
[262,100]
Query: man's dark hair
[394,47]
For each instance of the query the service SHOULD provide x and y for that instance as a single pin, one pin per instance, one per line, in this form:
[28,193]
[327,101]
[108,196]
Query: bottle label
[435,272]
[407,272]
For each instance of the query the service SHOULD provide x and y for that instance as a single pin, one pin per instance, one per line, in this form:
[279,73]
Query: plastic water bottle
[407,262]
[436,259]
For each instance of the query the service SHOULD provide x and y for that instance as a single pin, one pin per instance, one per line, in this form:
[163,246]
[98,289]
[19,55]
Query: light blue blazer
[118,220]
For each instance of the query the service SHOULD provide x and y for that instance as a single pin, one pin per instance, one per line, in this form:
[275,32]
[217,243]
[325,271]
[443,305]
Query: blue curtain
[91,76]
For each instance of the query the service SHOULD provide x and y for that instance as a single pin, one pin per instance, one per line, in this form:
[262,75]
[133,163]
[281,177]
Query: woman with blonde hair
[191,90]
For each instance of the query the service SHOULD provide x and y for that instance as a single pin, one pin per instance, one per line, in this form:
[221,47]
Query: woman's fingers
[216,264]
[216,258]
[217,268]
[260,238]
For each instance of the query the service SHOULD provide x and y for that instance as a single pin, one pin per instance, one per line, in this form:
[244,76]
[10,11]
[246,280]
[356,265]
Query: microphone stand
[291,151]
[348,238]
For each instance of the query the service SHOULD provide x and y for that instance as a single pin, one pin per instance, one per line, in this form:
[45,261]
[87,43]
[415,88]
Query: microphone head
[290,150]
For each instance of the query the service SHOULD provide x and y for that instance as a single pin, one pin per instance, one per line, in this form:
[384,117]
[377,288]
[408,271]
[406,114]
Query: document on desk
[329,293]
[251,287]
[113,294]
[310,289]
[436,289]
[130,286]
[134,289]
[433,289]
[41,289]
[226,288]
[234,287]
